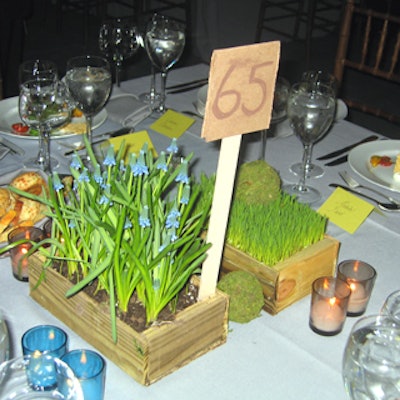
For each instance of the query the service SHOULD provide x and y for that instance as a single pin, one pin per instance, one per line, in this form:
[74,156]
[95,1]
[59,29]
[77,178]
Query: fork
[355,185]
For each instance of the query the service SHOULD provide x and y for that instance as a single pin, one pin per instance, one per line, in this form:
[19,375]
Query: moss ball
[246,297]
[257,183]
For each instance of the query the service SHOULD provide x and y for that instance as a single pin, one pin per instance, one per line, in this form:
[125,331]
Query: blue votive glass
[47,339]
[89,368]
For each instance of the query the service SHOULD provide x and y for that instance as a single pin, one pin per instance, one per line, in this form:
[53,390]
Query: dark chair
[298,19]
[368,48]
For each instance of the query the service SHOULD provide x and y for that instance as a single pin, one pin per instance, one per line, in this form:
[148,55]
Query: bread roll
[31,182]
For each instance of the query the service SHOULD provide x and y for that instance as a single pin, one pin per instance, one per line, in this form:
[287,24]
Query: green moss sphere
[246,297]
[257,183]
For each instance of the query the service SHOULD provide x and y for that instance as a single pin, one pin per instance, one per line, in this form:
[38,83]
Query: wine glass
[278,115]
[88,79]
[4,340]
[43,105]
[35,69]
[371,360]
[164,43]
[310,111]
[315,78]
[391,307]
[119,40]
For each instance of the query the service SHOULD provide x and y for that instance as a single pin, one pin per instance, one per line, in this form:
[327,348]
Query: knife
[104,136]
[347,148]
[338,161]
[182,85]
[12,147]
[186,88]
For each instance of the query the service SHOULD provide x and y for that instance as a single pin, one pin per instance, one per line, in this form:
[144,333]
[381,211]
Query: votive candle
[19,261]
[360,276]
[89,368]
[329,301]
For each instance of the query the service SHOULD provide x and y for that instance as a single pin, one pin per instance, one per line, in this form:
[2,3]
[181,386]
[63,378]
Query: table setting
[276,355]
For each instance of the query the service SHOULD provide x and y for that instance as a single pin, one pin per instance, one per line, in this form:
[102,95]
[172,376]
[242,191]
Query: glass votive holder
[90,369]
[391,306]
[47,339]
[329,301]
[19,261]
[360,276]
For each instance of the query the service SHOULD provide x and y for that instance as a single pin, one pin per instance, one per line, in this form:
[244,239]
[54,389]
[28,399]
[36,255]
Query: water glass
[371,361]
[391,307]
[4,340]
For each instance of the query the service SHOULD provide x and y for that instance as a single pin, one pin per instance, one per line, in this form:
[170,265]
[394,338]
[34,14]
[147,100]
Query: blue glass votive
[90,369]
[41,371]
[47,339]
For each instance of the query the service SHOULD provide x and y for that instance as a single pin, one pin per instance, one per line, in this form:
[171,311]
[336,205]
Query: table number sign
[239,100]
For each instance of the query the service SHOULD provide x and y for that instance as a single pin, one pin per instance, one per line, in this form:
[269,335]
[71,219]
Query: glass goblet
[164,43]
[118,41]
[278,115]
[37,69]
[41,107]
[310,111]
[315,78]
[371,360]
[88,79]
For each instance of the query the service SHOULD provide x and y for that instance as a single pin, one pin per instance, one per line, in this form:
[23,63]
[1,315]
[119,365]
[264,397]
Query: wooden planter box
[146,356]
[290,280]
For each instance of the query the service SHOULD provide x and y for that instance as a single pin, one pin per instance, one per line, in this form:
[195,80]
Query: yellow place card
[346,210]
[133,143]
[172,124]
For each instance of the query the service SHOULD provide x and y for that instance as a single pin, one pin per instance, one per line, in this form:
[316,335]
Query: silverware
[382,206]
[347,148]
[187,88]
[101,138]
[12,147]
[202,81]
[338,161]
[353,184]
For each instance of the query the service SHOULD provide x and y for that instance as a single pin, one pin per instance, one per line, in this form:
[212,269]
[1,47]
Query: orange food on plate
[383,161]
[76,113]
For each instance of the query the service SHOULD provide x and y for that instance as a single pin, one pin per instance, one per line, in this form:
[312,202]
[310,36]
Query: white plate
[382,176]
[9,115]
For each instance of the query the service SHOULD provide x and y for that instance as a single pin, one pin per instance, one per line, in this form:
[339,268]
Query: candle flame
[332,301]
[352,286]
[24,250]
[27,235]
[326,284]
[356,266]
[83,357]
[51,335]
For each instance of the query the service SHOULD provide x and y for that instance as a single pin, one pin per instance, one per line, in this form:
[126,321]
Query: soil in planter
[135,317]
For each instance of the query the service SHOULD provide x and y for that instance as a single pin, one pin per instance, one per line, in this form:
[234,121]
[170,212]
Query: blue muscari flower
[72,224]
[173,148]
[84,177]
[132,160]
[183,173]
[57,184]
[128,224]
[104,200]
[144,220]
[173,219]
[110,157]
[185,195]
[174,236]
[75,162]
[97,175]
[161,163]
[122,167]
[140,168]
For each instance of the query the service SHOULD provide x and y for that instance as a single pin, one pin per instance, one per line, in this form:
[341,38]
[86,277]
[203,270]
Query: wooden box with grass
[147,356]
[279,240]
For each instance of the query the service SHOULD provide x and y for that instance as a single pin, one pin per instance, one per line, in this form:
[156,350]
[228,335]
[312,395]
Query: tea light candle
[329,302]
[47,339]
[19,261]
[361,278]
[41,371]
[90,369]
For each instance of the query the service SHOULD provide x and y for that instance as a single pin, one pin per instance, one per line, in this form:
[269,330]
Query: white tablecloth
[275,357]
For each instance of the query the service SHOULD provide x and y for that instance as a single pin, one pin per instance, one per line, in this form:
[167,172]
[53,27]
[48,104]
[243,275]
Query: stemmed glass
[164,43]
[371,361]
[310,111]
[119,40]
[44,105]
[4,340]
[278,115]
[35,69]
[88,79]
[315,78]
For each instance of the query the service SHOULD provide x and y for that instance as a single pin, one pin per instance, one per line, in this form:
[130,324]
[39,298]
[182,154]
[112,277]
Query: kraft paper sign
[241,88]
[346,210]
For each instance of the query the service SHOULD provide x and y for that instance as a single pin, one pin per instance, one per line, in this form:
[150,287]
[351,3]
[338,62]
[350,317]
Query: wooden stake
[225,179]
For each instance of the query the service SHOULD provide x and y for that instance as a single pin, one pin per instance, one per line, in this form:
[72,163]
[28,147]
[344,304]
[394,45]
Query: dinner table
[273,356]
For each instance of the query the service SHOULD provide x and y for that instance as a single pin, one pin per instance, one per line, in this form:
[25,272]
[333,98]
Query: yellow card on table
[133,143]
[172,124]
[346,210]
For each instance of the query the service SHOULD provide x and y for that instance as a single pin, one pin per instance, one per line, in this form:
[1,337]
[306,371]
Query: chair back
[369,42]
